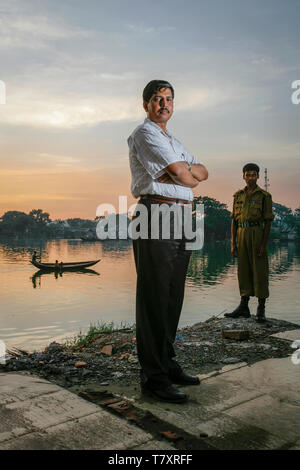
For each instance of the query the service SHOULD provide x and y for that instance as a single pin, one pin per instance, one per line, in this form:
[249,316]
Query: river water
[38,307]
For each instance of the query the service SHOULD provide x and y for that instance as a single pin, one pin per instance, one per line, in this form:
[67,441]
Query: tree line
[38,223]
[217,222]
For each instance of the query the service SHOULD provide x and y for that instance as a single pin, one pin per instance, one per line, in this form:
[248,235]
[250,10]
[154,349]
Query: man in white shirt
[163,172]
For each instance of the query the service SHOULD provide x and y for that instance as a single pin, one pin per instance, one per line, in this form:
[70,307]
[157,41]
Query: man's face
[160,107]
[251,177]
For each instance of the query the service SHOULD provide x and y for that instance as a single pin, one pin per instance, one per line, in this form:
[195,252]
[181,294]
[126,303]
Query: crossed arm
[178,173]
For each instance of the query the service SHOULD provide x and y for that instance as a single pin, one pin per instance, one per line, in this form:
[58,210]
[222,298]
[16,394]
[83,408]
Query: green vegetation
[217,221]
[95,330]
[38,223]
[286,224]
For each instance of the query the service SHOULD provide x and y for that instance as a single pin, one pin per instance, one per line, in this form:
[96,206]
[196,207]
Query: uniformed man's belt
[170,200]
[248,224]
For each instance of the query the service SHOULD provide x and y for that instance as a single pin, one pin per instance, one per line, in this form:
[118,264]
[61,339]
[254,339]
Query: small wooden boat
[64,266]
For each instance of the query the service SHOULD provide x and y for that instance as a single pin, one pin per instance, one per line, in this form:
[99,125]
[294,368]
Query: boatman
[251,222]
[163,173]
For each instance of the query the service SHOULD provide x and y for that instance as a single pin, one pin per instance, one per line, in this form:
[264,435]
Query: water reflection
[36,278]
[119,246]
[282,257]
[36,302]
[211,264]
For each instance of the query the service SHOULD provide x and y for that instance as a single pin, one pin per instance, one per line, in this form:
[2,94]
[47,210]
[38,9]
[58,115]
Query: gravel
[200,349]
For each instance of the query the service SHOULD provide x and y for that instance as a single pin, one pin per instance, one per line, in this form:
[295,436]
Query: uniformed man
[251,222]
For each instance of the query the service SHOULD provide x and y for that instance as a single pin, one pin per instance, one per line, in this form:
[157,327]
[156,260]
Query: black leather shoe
[169,394]
[185,379]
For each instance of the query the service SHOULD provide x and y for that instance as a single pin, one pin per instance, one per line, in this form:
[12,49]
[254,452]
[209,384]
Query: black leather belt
[159,198]
[248,224]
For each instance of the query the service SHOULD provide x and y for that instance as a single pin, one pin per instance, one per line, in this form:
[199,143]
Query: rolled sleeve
[154,152]
[267,212]
[191,159]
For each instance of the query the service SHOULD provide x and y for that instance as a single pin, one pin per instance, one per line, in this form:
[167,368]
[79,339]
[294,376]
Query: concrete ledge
[36,414]
[291,335]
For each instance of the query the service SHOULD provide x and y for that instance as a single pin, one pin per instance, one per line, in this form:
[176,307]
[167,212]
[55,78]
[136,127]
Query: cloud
[142,29]
[31,108]
[32,31]
[205,98]
[8,198]
[59,160]
[270,69]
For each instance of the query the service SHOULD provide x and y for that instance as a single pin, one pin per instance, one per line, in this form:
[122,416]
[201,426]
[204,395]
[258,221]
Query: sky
[74,73]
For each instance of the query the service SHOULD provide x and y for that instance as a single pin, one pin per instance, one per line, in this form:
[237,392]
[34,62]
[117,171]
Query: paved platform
[239,407]
[35,414]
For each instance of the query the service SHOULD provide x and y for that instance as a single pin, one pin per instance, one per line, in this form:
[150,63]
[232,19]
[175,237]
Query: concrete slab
[296,446]
[271,414]
[205,402]
[239,407]
[229,433]
[235,408]
[52,409]
[278,377]
[291,335]
[224,369]
[53,418]
[20,387]
[155,445]
[100,431]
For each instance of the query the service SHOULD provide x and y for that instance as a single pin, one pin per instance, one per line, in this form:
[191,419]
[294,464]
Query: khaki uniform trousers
[253,271]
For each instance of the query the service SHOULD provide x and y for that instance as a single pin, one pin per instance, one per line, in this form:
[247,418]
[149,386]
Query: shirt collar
[157,127]
[255,190]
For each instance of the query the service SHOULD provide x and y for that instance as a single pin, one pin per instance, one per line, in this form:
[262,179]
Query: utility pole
[266,180]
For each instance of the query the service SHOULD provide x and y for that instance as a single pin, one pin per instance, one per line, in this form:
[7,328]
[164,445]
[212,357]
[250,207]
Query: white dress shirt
[151,150]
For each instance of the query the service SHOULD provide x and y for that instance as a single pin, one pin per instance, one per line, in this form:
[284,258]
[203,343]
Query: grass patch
[96,329]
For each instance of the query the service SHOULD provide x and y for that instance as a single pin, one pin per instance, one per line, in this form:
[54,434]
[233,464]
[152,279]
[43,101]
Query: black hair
[251,167]
[153,86]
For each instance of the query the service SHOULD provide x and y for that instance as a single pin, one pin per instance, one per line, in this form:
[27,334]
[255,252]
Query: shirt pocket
[238,206]
[255,209]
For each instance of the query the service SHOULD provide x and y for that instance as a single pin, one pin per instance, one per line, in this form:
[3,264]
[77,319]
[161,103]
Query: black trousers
[161,267]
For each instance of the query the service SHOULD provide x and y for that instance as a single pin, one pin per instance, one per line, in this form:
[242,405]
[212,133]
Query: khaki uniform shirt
[256,207]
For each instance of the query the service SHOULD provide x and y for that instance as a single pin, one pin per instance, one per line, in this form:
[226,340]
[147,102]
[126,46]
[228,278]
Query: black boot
[241,311]
[260,313]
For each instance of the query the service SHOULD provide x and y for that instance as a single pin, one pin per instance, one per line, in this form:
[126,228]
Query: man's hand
[180,175]
[165,178]
[199,172]
[234,250]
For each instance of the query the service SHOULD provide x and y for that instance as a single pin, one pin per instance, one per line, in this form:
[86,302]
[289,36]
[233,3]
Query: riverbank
[110,357]
[248,396]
